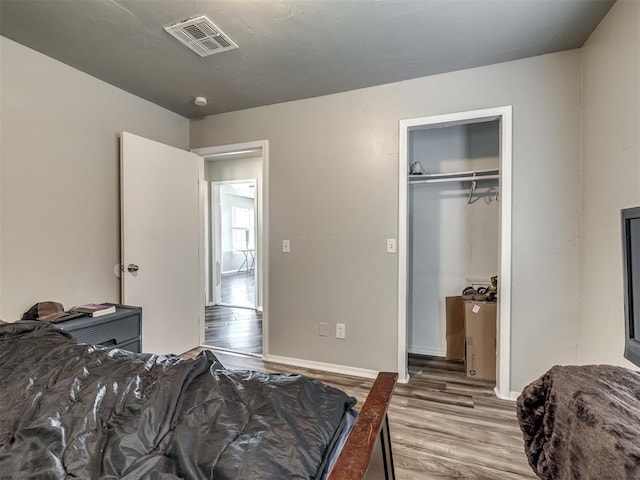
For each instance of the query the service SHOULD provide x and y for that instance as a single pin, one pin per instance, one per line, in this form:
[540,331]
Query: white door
[161,231]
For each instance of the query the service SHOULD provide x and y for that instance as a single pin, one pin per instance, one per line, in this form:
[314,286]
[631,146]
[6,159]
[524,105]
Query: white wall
[611,175]
[450,240]
[333,183]
[59,189]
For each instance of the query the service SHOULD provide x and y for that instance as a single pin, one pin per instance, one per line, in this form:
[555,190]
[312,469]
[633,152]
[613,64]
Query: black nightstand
[121,329]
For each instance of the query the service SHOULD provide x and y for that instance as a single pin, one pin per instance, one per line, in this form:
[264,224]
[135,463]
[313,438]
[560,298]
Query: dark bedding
[582,423]
[77,411]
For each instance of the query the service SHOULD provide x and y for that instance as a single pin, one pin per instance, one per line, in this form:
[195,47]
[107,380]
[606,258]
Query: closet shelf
[474,175]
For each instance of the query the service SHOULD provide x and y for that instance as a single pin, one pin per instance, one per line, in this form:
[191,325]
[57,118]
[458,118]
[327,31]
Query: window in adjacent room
[240,228]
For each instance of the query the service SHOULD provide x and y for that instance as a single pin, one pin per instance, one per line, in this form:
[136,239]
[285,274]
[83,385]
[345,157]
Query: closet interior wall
[451,242]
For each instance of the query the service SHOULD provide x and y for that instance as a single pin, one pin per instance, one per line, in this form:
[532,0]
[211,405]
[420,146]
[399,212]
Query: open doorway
[235,257]
[235,241]
[454,232]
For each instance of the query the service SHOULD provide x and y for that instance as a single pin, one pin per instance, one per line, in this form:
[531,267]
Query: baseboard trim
[230,351]
[433,352]
[513,396]
[327,367]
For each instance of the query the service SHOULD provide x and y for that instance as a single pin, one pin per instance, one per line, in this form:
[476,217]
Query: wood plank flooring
[232,328]
[443,424]
[237,329]
[239,289]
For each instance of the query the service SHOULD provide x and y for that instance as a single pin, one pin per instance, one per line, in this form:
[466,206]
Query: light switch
[341,331]
[286,246]
[391,245]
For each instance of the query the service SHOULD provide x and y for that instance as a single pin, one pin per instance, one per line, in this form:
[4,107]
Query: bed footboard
[368,447]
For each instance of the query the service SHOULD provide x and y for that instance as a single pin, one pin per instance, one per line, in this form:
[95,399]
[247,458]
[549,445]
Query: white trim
[326,367]
[216,150]
[402,248]
[503,363]
[245,153]
[433,352]
[230,351]
[265,247]
[231,182]
[262,255]
[216,242]
[206,204]
[202,185]
[512,397]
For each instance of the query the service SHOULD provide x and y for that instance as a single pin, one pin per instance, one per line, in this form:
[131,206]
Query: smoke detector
[201,35]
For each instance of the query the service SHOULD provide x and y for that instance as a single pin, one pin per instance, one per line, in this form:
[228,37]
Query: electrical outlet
[323,329]
[341,331]
[391,245]
[286,246]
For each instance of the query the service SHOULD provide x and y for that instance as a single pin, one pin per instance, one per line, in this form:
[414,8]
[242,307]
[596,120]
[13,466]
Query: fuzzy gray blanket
[582,422]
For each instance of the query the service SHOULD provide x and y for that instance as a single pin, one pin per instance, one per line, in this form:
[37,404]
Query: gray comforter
[77,411]
[582,422]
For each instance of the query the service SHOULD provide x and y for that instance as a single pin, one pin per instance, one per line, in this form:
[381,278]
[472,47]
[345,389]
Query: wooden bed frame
[367,452]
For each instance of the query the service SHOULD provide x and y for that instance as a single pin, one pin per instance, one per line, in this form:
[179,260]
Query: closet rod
[492,171]
[426,179]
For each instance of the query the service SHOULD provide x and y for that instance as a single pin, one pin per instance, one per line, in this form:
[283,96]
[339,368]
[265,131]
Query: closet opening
[454,237]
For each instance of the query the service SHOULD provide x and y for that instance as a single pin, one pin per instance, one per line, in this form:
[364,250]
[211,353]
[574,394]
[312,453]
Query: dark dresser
[121,329]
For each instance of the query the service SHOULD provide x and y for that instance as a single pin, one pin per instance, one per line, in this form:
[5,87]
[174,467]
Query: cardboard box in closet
[480,339]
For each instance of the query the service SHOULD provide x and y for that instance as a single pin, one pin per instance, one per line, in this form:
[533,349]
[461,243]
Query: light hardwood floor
[239,289]
[443,425]
[230,327]
[238,329]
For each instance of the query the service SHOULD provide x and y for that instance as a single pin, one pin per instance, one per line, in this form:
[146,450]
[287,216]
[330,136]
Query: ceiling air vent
[201,35]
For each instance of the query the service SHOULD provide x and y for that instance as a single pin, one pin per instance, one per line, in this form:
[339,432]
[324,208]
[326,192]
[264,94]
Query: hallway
[235,325]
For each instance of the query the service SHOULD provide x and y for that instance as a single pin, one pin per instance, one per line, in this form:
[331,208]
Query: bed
[73,410]
[582,422]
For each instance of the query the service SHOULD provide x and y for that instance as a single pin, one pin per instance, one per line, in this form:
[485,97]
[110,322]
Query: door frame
[217,233]
[504,114]
[262,250]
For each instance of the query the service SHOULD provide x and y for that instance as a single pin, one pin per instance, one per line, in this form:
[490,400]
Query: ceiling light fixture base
[200,101]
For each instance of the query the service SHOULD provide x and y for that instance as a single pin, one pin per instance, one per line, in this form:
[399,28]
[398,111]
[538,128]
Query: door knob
[132,267]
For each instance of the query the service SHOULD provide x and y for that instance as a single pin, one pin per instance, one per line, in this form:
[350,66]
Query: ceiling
[290,49]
